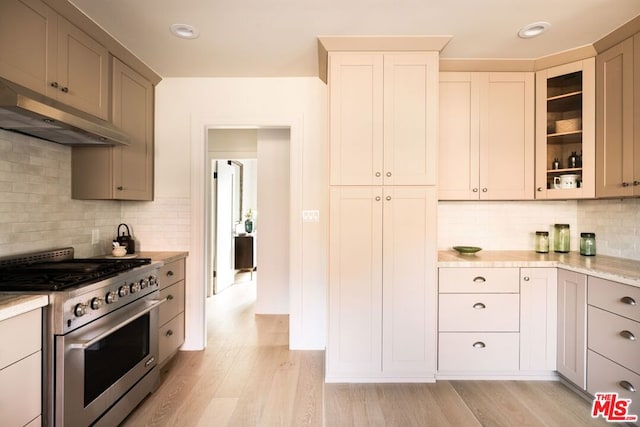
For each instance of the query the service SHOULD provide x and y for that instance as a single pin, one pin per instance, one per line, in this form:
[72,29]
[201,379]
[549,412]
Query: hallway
[248,377]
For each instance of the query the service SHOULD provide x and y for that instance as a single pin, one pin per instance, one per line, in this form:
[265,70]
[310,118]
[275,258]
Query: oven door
[97,364]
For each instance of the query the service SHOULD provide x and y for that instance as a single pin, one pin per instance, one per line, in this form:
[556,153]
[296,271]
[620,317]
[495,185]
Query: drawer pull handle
[479,305]
[628,300]
[479,344]
[628,335]
[169,333]
[627,386]
[170,273]
[169,297]
[479,279]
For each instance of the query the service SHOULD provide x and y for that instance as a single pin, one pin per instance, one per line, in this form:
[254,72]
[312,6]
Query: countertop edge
[15,305]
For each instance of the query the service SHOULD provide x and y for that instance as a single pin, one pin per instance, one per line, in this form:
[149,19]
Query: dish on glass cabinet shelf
[467,250]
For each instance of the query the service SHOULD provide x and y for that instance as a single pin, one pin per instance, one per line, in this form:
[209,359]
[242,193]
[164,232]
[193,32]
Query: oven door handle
[83,345]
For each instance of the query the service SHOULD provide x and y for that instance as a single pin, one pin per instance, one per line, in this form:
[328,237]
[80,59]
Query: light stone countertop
[621,270]
[14,305]
[165,257]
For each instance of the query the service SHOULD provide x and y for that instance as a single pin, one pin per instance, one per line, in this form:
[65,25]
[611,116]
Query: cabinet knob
[628,335]
[388,198]
[479,279]
[169,333]
[120,188]
[625,184]
[627,386]
[539,188]
[526,278]
[475,190]
[64,89]
[628,300]
[54,84]
[169,297]
[479,306]
[378,174]
[636,183]
[170,273]
[388,173]
[378,198]
[484,190]
[479,344]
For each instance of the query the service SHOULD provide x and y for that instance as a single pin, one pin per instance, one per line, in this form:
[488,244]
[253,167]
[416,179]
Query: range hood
[25,111]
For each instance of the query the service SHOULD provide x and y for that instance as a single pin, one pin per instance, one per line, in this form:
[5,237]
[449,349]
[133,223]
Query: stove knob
[144,283]
[153,281]
[134,287]
[80,310]
[96,303]
[123,291]
[112,296]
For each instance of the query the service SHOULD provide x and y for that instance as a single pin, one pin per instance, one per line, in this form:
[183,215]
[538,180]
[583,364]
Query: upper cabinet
[617,138]
[41,50]
[486,146]
[565,131]
[383,112]
[123,173]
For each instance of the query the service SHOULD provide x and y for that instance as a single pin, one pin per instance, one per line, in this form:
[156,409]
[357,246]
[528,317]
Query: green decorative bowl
[467,250]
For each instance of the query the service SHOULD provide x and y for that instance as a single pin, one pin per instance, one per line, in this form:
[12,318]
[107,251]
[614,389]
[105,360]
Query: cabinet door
[28,31]
[614,121]
[507,136]
[572,326]
[82,71]
[565,92]
[355,118]
[538,319]
[354,340]
[459,130]
[133,113]
[409,282]
[410,118]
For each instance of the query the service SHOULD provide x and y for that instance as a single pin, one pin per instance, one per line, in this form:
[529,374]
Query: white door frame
[200,211]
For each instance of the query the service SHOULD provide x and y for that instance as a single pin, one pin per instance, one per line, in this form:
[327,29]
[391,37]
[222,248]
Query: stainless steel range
[100,332]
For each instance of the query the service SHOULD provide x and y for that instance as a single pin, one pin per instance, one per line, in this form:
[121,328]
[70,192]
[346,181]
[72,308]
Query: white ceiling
[262,38]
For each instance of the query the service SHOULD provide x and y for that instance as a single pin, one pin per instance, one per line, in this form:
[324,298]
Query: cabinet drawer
[171,337]
[175,302]
[478,351]
[479,312]
[20,390]
[171,273]
[606,336]
[479,280]
[24,333]
[615,297]
[604,376]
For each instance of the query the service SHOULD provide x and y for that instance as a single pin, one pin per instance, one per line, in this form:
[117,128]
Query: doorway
[249,170]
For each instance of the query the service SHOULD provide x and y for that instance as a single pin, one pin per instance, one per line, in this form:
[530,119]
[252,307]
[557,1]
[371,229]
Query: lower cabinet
[496,321]
[21,369]
[382,284]
[171,316]
[572,327]
[613,357]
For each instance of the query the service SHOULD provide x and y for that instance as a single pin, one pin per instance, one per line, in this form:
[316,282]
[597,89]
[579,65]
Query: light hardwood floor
[248,377]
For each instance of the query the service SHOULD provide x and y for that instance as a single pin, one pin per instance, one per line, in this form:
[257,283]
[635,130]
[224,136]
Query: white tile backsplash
[161,225]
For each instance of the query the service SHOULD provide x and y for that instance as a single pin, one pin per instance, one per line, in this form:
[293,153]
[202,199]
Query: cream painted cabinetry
[486,143]
[383,118]
[171,315]
[613,332]
[617,134]
[572,327]
[565,125]
[496,321]
[381,284]
[41,50]
[21,369]
[122,173]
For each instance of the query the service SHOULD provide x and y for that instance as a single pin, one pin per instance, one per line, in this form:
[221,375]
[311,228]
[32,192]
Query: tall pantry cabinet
[383,202]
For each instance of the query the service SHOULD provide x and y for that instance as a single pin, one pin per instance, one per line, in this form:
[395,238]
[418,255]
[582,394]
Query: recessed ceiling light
[185,31]
[533,30]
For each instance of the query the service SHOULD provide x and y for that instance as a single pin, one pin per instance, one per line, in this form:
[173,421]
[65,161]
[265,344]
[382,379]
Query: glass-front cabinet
[565,131]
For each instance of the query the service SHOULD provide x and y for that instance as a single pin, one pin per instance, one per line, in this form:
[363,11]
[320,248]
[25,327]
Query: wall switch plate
[311,216]
[95,236]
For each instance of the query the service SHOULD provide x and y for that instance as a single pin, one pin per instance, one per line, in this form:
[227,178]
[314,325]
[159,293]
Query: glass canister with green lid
[561,238]
[588,244]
